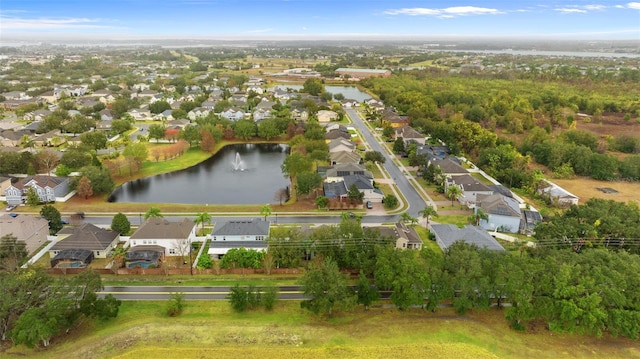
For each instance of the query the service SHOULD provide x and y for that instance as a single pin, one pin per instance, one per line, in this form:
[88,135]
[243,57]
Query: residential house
[146,94]
[335,126]
[249,234]
[447,234]
[11,138]
[255,88]
[140,114]
[503,213]
[209,105]
[326,116]
[449,167]
[50,139]
[337,172]
[48,188]
[349,103]
[406,237]
[37,115]
[393,119]
[470,186]
[233,114]
[408,135]
[365,186]
[333,134]
[261,114]
[5,182]
[340,145]
[433,152]
[88,237]
[558,194]
[31,230]
[344,157]
[300,114]
[198,112]
[174,237]
[107,115]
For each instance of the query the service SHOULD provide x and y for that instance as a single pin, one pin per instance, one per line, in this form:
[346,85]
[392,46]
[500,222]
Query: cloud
[16,23]
[257,31]
[445,13]
[566,10]
[634,5]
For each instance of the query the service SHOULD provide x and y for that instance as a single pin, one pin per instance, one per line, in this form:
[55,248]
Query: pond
[237,174]
[349,92]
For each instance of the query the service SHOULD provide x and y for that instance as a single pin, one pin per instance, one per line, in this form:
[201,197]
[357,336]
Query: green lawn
[211,330]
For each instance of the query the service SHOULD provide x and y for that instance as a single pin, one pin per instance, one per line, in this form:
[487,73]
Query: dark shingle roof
[87,236]
[499,205]
[159,228]
[449,234]
[233,228]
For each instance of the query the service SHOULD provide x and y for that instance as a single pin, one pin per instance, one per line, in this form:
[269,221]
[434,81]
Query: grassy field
[211,329]
[586,188]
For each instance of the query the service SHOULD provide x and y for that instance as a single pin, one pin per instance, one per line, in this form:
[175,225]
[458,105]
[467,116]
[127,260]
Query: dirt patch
[587,188]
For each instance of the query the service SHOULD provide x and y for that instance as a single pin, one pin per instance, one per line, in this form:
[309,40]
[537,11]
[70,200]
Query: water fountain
[238,164]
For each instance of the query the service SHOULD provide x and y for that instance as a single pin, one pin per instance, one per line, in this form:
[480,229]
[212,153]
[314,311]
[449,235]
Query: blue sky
[321,19]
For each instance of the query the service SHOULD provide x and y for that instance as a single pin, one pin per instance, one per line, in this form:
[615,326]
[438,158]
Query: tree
[202,218]
[12,253]
[159,107]
[453,193]
[75,158]
[265,211]
[32,197]
[268,129]
[478,216]
[398,145]
[46,161]
[354,194]
[322,201]
[137,151]
[374,156]
[295,163]
[100,179]
[327,289]
[307,182]
[245,129]
[156,131]
[175,304]
[207,143]
[84,188]
[238,298]
[281,195]
[52,215]
[313,86]
[428,211]
[95,140]
[120,223]
[153,212]
[390,201]
[367,293]
[192,135]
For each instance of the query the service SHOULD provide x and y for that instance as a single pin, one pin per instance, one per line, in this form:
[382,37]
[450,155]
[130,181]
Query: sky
[321,19]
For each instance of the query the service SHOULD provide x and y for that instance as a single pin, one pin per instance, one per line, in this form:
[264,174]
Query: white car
[11,208]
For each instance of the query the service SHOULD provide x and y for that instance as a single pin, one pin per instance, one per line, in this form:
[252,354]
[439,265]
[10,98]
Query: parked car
[369,205]
[14,215]
[10,207]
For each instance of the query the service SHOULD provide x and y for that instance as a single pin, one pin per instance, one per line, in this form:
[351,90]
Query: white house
[503,213]
[249,234]
[470,186]
[174,237]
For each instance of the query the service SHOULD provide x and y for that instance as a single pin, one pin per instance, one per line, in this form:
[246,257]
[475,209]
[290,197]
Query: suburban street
[415,201]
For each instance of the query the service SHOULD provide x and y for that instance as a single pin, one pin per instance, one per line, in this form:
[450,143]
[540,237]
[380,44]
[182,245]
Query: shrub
[175,305]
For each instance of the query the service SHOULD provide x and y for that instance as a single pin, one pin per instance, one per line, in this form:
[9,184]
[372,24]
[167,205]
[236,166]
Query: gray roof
[87,236]
[360,181]
[344,157]
[346,169]
[160,228]
[334,189]
[449,166]
[253,226]
[498,188]
[447,234]
[470,183]
[408,233]
[499,205]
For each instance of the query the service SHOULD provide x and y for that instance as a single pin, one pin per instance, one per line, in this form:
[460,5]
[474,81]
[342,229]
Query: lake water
[215,181]
[349,92]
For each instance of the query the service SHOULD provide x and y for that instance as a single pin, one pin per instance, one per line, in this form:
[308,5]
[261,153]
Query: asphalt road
[289,292]
[415,201]
[279,219]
